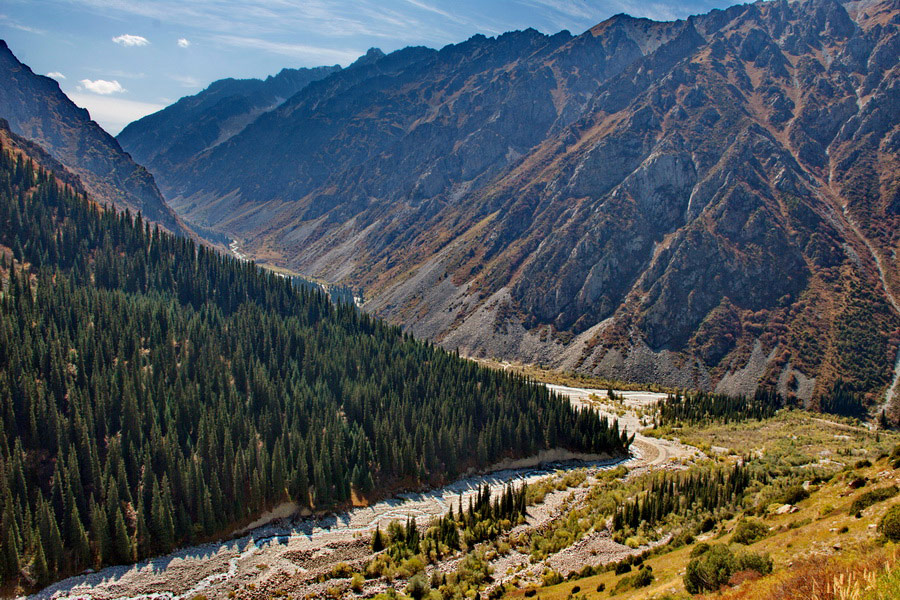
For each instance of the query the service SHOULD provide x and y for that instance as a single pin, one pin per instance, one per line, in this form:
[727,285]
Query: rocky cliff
[711,203]
[38,110]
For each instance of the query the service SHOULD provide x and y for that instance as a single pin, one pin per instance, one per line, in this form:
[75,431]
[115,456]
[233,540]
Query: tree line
[154,392]
[699,408]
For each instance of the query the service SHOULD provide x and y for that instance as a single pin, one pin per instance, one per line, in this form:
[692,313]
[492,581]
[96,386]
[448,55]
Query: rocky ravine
[691,203]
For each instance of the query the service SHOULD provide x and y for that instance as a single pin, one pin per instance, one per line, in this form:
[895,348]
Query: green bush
[794,494]
[752,561]
[699,550]
[711,570]
[417,586]
[749,531]
[551,577]
[642,578]
[706,524]
[890,524]
[871,497]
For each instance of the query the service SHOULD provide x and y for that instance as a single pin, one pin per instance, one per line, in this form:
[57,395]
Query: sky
[123,59]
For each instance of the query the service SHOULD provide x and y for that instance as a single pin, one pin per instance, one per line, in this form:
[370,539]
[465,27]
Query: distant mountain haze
[38,110]
[196,123]
[709,203]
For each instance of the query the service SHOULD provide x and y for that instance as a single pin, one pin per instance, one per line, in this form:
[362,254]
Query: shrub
[340,571]
[889,526]
[699,550]
[864,501]
[622,567]
[551,577]
[417,586]
[356,582]
[749,531]
[857,482]
[714,568]
[682,539]
[752,561]
[862,464]
[586,571]
[601,587]
[794,494]
[710,571]
[642,578]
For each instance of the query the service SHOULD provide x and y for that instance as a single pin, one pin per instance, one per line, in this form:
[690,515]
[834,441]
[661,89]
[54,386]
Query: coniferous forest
[699,407]
[154,392]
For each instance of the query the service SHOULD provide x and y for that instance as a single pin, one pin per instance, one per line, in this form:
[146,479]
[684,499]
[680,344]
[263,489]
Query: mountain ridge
[704,203]
[195,123]
[36,108]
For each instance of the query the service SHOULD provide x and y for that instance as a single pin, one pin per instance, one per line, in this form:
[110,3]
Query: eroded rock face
[697,202]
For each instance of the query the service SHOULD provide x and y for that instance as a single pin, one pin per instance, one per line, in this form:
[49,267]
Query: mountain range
[712,202]
[179,132]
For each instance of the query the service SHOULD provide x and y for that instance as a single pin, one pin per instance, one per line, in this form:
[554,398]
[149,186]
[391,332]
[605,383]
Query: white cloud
[56,75]
[183,42]
[186,81]
[9,22]
[113,114]
[126,39]
[316,54]
[102,86]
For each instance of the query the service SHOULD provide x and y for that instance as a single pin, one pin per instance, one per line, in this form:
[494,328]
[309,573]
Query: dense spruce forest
[703,408]
[155,393]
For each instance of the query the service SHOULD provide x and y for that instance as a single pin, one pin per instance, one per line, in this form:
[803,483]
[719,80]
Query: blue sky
[122,59]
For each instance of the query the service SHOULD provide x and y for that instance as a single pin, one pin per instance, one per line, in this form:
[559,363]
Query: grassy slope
[816,530]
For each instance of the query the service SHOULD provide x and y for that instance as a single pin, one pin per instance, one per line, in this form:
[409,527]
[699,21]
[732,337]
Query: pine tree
[377,540]
[122,545]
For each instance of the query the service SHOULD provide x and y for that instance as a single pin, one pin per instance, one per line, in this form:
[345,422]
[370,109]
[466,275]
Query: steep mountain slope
[709,203]
[195,123]
[37,109]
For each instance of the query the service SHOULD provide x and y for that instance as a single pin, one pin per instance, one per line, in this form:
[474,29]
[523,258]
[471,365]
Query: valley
[289,553]
[671,215]
[321,557]
[539,302]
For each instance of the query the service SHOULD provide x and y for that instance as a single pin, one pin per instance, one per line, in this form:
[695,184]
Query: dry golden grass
[821,552]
